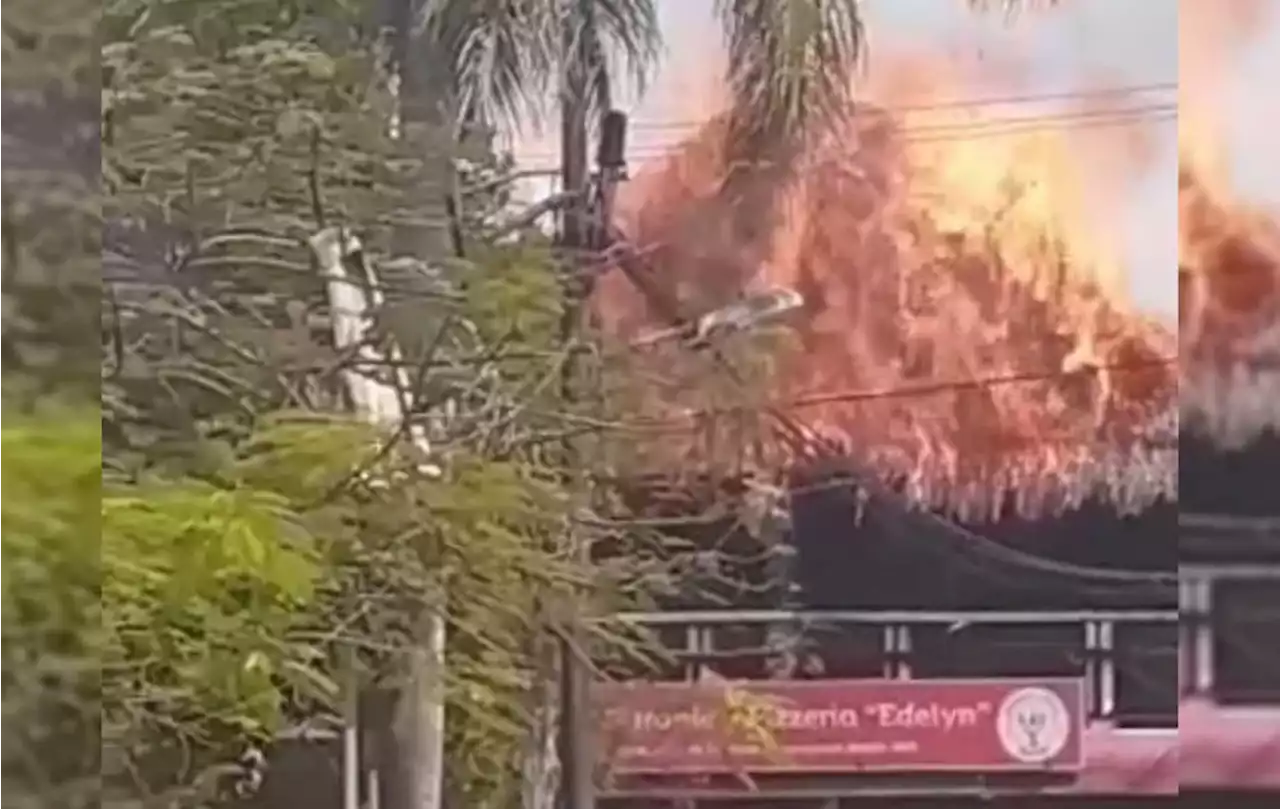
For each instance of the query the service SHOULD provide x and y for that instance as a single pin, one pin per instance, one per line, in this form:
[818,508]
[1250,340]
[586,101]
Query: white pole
[421,725]
[350,735]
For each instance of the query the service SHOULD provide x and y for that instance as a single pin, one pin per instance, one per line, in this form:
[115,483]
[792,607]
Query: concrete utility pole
[419,716]
[424,85]
[571,241]
[583,226]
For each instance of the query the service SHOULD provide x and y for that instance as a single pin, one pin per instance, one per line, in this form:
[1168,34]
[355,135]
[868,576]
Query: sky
[1082,45]
[1255,108]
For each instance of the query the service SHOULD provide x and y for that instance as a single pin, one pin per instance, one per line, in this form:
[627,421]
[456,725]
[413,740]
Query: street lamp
[754,311]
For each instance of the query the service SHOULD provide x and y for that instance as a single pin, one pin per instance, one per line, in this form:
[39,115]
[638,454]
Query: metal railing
[1209,633]
[1099,663]
[1218,537]
[1227,527]
[1154,656]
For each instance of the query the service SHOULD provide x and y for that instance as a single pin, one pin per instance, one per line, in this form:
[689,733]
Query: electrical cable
[1068,117]
[871,483]
[661,152]
[996,550]
[977,383]
[956,132]
[959,103]
[911,391]
[804,441]
[1014,570]
[679,423]
[799,436]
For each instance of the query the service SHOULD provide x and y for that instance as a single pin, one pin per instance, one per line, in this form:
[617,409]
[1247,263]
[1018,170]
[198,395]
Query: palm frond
[502,53]
[508,56]
[601,35]
[790,61]
[1010,8]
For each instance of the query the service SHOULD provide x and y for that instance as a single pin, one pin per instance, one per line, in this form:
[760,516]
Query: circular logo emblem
[1033,724]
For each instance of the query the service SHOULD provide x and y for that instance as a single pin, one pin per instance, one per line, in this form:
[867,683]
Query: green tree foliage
[201,589]
[50,222]
[221,610]
[50,228]
[232,133]
[230,609]
[52,613]
[228,140]
[147,624]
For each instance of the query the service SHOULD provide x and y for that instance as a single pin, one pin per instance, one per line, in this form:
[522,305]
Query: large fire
[1229,249]
[966,325]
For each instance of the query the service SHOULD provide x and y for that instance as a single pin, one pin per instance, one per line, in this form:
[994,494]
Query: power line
[805,440]
[1084,578]
[968,103]
[978,383]
[995,127]
[1094,576]
[1066,116]
[1100,123]
[852,396]
[1047,118]
[962,133]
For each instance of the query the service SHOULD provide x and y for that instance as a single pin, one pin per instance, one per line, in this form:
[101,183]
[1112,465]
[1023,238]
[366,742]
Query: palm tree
[791,61]
[788,58]
[507,56]
[1010,8]
[790,64]
[789,69]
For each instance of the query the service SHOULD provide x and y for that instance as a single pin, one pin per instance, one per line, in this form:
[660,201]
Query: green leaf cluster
[200,589]
[52,609]
[179,619]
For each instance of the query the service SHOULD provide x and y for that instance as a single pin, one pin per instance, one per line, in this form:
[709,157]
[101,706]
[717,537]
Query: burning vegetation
[1229,286]
[965,329]
[1229,249]
[1229,290]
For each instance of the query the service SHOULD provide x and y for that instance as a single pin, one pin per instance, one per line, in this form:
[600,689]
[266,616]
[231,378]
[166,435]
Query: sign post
[842,727]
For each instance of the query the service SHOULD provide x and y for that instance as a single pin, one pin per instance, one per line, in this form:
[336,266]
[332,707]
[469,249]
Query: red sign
[841,726]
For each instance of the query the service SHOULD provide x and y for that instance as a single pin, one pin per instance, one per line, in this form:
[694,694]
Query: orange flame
[948,262]
[1229,250]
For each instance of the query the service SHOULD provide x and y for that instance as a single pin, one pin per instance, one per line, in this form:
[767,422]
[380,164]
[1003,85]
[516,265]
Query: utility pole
[424,85]
[577,762]
[583,226]
[574,783]
[418,723]
[571,241]
[574,99]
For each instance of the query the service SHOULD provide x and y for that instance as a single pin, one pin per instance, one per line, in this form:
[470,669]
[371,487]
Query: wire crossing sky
[1080,47]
